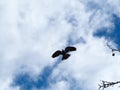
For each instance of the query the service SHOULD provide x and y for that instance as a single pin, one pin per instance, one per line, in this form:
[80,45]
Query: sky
[32,30]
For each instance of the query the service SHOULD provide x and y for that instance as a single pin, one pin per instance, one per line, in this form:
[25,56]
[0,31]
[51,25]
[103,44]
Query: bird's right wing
[57,53]
[69,48]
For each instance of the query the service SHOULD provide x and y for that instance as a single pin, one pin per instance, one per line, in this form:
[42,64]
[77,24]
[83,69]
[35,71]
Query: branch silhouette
[105,84]
[113,49]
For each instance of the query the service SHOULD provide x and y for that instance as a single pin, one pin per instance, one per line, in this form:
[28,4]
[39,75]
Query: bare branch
[105,84]
[113,49]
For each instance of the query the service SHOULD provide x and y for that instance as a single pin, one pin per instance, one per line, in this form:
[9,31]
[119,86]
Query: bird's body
[64,53]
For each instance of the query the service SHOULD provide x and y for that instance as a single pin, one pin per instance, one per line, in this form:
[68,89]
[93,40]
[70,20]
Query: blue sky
[114,34]
[30,31]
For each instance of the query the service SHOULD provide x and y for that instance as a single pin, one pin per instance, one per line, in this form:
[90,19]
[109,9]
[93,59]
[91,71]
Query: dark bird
[65,53]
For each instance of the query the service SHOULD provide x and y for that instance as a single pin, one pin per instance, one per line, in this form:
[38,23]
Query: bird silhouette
[65,53]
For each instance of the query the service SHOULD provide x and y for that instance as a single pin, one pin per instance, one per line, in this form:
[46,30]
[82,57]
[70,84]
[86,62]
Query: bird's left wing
[69,48]
[57,53]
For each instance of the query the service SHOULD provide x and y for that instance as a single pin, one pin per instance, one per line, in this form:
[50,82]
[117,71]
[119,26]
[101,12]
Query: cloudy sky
[31,30]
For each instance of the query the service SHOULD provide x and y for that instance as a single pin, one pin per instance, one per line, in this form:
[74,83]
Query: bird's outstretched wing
[69,48]
[57,53]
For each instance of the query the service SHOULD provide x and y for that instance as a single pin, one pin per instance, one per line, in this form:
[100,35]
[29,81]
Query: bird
[65,53]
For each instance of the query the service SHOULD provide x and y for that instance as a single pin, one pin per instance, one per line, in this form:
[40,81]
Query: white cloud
[6,84]
[60,85]
[32,30]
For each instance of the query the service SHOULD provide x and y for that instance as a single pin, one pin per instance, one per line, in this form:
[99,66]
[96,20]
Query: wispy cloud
[32,30]
[25,82]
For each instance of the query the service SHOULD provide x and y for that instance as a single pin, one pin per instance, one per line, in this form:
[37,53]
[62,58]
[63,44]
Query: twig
[113,49]
[105,84]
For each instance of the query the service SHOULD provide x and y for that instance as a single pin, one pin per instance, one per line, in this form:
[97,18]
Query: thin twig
[113,49]
[105,84]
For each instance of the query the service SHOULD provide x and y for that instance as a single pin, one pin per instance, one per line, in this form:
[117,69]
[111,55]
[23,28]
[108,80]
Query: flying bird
[65,53]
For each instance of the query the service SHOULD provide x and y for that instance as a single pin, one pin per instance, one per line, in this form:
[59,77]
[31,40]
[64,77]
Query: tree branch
[113,49]
[105,84]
